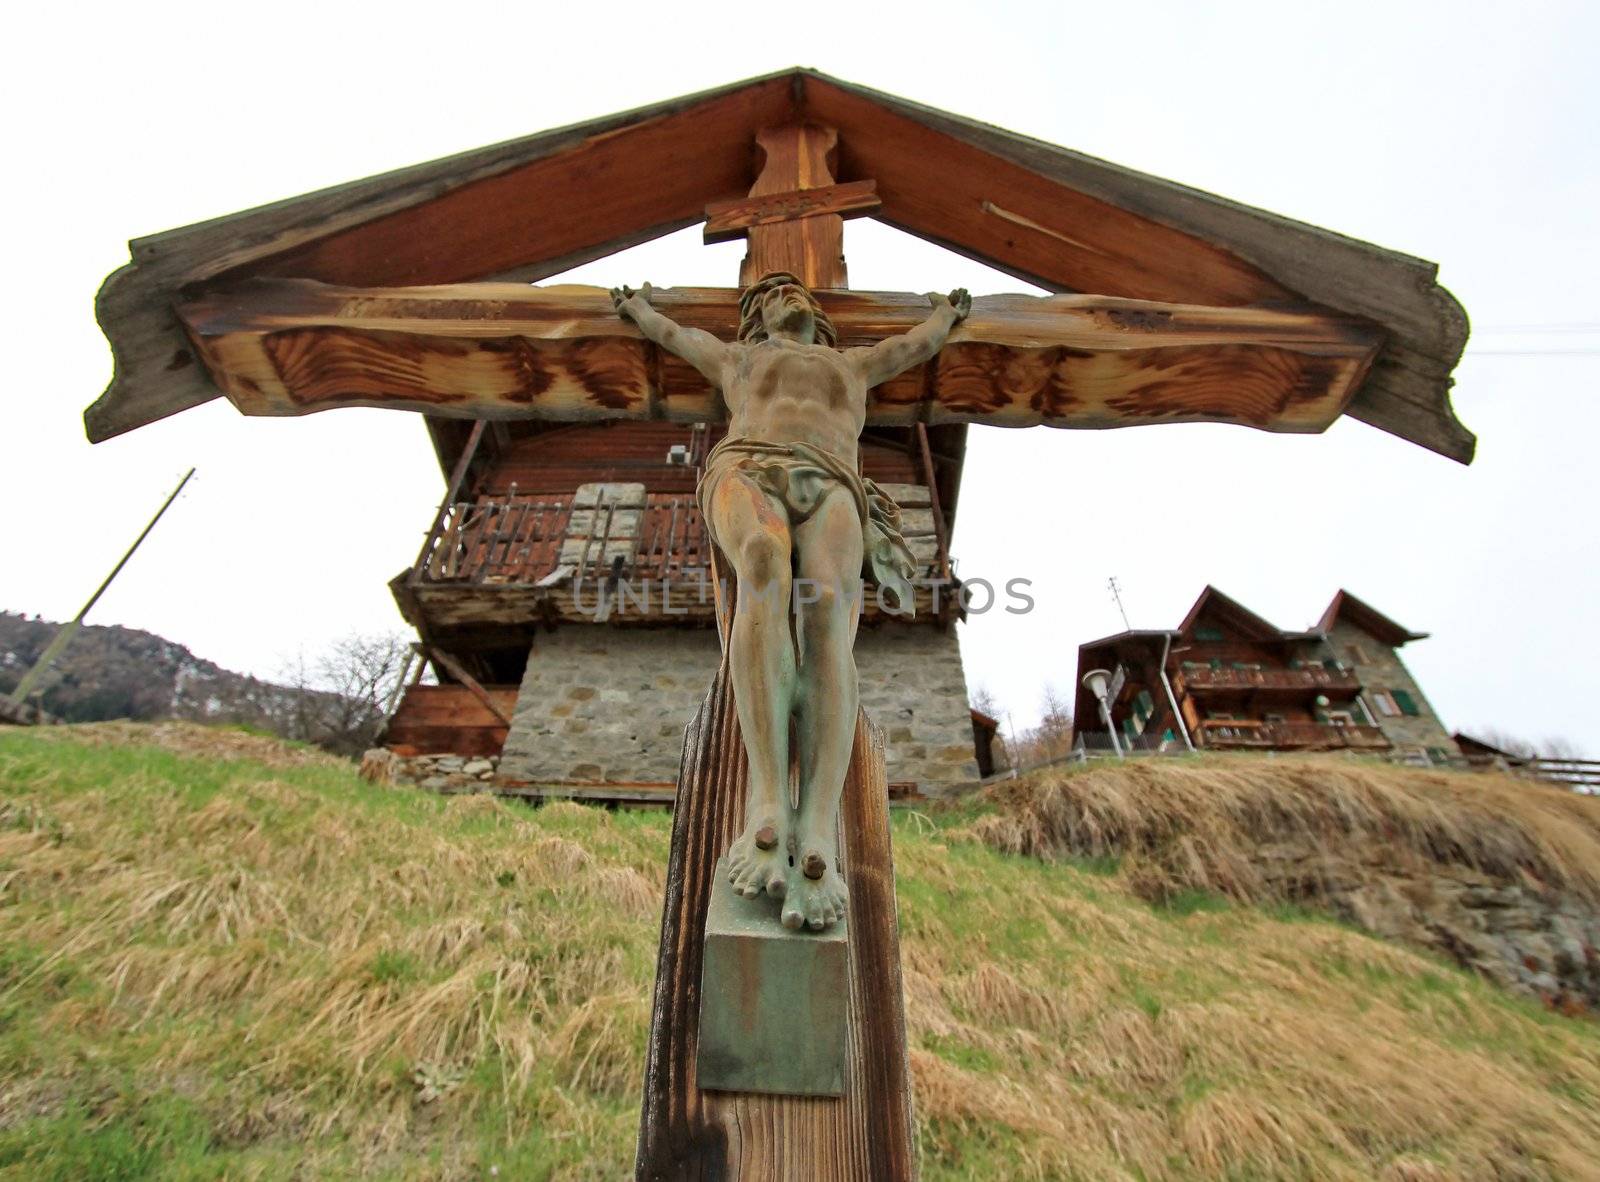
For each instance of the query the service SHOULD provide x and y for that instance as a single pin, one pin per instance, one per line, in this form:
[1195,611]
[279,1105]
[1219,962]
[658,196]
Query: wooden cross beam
[500,350]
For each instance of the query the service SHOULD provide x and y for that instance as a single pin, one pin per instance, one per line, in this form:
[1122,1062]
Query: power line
[1534,352]
[1575,326]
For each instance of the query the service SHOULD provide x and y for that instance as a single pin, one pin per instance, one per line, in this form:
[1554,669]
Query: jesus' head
[779,304]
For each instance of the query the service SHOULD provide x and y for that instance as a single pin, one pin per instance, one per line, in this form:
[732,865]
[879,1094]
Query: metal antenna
[1116,593]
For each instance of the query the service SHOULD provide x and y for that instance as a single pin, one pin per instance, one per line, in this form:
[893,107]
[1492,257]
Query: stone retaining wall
[1535,941]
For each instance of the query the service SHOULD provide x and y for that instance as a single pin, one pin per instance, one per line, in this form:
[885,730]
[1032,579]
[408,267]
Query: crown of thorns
[753,328]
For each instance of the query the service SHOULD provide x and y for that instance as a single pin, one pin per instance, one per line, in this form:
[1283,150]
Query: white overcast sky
[1463,133]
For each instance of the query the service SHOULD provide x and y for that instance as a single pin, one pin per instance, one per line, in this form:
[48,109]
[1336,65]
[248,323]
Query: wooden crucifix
[786,497]
[271,306]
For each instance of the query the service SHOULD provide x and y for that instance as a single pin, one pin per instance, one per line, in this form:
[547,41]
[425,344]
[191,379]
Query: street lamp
[1097,681]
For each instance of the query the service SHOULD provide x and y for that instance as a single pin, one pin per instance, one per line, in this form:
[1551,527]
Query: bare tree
[1055,723]
[341,695]
[1052,737]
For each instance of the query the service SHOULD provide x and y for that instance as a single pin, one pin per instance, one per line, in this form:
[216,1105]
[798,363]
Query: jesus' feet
[816,896]
[758,859]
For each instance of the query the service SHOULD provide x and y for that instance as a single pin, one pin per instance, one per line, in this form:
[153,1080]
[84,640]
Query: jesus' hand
[958,301]
[622,296]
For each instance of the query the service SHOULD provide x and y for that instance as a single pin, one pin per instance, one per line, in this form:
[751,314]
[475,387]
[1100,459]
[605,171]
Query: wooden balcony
[512,540]
[1311,679]
[1248,734]
[509,560]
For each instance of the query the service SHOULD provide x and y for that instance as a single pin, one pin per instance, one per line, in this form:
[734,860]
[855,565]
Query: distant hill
[114,672]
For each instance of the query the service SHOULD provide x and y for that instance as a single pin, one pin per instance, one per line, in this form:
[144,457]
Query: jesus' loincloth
[798,476]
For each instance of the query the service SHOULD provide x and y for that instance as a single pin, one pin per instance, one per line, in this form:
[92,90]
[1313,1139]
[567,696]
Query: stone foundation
[436,773]
[607,704]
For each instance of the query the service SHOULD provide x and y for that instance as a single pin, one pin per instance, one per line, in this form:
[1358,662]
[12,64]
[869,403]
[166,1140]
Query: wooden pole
[865,1135]
[63,637]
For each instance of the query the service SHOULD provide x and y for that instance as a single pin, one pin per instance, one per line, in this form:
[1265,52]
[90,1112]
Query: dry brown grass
[194,739]
[228,970]
[1200,824]
[411,985]
[1113,1040]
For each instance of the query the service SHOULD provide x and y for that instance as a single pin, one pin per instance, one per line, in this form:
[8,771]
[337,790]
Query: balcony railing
[1310,678]
[1218,733]
[520,540]
[510,540]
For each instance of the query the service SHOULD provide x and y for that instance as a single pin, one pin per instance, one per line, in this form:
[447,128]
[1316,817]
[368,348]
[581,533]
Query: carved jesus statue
[785,501]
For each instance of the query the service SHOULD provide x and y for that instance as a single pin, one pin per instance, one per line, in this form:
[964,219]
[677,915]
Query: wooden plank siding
[449,719]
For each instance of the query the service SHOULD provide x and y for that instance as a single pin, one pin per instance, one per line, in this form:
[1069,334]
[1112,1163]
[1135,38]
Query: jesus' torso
[782,391]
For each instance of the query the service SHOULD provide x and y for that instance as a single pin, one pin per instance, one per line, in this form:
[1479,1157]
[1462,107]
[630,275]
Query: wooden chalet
[570,445]
[1228,680]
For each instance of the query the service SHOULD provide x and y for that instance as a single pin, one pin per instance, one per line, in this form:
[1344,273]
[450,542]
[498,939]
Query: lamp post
[1096,681]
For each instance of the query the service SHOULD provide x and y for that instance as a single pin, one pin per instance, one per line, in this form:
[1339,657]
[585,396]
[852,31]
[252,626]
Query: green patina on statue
[785,501]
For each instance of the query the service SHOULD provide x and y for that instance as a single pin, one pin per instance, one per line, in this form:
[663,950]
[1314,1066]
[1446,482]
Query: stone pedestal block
[772,1001]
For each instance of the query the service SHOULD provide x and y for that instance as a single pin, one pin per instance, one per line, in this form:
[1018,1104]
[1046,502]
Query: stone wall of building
[1379,668]
[913,686]
[600,703]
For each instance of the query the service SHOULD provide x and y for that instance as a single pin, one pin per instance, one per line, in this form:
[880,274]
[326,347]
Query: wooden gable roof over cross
[1176,305]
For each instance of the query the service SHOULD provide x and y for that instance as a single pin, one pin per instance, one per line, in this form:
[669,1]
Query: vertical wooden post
[810,248]
[866,1135]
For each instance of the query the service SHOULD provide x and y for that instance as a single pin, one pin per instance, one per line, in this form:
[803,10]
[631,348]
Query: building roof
[1215,604]
[1235,613]
[1369,619]
[531,208]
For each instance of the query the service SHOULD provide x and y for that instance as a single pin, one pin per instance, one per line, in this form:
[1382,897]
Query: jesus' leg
[828,599]
[753,531]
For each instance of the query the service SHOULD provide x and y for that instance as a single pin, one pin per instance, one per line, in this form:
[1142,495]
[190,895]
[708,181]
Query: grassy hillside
[246,963]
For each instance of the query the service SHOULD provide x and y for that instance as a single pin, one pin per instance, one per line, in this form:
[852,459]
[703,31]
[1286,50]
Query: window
[1144,706]
[1406,702]
[1212,634]
[1384,703]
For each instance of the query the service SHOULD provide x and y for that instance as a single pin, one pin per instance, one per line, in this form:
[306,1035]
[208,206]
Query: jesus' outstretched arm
[699,348]
[894,355]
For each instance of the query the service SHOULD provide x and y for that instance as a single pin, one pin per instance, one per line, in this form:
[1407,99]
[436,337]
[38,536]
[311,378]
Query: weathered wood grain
[529,204]
[797,156]
[290,347]
[1059,218]
[685,1133]
[1407,390]
[727,220]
